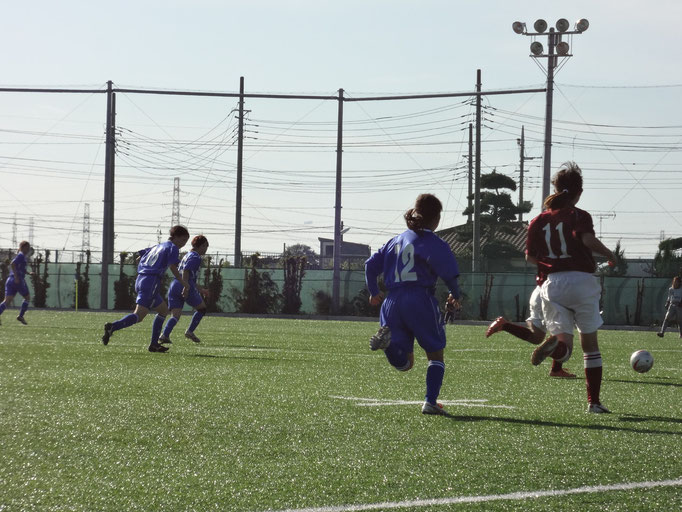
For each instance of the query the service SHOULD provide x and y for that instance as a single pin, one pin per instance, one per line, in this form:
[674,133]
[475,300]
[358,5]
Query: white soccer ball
[641,361]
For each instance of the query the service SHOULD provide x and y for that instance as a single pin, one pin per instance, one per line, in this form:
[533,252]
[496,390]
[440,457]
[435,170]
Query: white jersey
[675,296]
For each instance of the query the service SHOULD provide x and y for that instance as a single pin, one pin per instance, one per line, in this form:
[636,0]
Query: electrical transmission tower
[15,242]
[85,246]
[175,217]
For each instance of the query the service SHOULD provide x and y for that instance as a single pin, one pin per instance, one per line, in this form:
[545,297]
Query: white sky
[616,108]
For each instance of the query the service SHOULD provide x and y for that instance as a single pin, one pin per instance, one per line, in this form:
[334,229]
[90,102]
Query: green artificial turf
[251,420]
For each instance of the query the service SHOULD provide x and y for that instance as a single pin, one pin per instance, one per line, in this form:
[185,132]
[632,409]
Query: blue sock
[124,322]
[196,318]
[434,380]
[156,328]
[3,307]
[169,326]
[24,308]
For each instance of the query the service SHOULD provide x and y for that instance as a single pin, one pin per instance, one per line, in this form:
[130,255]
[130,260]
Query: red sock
[560,351]
[593,374]
[556,365]
[516,330]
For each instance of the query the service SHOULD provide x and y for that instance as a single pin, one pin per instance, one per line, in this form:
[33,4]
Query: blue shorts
[176,300]
[12,288]
[148,291]
[412,313]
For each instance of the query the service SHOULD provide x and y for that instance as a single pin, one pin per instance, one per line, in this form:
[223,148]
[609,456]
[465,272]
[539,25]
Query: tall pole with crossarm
[557,49]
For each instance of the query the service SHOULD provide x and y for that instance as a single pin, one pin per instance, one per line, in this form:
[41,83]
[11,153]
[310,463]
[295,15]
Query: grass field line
[522,495]
[370,402]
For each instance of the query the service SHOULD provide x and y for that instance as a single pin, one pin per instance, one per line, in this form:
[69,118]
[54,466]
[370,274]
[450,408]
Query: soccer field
[270,414]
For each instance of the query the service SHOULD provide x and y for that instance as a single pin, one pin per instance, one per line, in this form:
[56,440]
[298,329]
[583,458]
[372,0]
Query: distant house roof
[348,248]
[460,240]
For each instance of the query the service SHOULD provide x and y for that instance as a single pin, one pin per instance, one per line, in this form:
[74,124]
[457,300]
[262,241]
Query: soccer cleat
[155,347]
[108,331]
[597,409]
[659,334]
[562,374]
[543,350]
[381,340]
[192,336]
[436,409]
[21,320]
[164,340]
[496,326]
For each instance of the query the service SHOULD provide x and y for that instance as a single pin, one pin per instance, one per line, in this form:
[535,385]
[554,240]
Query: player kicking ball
[153,264]
[189,266]
[535,332]
[411,264]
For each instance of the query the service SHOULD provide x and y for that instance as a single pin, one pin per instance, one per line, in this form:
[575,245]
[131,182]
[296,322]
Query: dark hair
[23,244]
[676,279]
[178,232]
[568,184]
[426,209]
[198,241]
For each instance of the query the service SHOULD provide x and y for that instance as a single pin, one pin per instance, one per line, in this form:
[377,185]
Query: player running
[411,263]
[673,307]
[153,264]
[536,330]
[16,282]
[189,266]
[560,242]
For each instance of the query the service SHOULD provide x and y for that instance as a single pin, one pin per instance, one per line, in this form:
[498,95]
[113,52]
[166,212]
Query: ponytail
[568,182]
[426,209]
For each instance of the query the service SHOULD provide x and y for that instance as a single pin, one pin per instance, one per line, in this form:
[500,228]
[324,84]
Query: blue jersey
[191,262]
[155,260]
[413,259]
[19,263]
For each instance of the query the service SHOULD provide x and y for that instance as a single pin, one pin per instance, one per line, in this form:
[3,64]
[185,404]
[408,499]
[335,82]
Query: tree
[621,267]
[40,283]
[312,258]
[260,293]
[668,261]
[213,281]
[497,206]
[294,270]
[124,288]
[83,282]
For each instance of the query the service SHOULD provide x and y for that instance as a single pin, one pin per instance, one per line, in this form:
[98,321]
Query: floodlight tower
[556,49]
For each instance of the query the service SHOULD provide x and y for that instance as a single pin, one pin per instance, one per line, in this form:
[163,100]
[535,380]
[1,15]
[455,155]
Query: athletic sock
[560,351]
[434,380]
[519,331]
[196,318]
[3,307]
[593,374]
[124,322]
[24,308]
[157,325]
[172,321]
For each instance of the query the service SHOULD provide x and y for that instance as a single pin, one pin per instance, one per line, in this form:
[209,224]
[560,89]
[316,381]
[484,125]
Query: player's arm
[445,265]
[180,277]
[374,267]
[595,245]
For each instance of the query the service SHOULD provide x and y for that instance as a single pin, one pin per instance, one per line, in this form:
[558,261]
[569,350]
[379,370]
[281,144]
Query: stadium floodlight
[536,48]
[540,26]
[582,25]
[562,25]
[562,48]
[519,27]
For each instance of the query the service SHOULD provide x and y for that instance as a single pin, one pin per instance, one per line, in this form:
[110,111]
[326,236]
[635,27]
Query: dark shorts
[412,313]
[12,288]
[147,287]
[176,300]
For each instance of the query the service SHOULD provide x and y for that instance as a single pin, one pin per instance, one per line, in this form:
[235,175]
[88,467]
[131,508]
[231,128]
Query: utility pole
[547,159]
[240,157]
[336,277]
[522,145]
[108,216]
[470,197]
[476,263]
[85,245]
[30,230]
[175,215]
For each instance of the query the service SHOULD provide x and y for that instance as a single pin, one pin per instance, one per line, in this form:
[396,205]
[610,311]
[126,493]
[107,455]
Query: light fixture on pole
[557,49]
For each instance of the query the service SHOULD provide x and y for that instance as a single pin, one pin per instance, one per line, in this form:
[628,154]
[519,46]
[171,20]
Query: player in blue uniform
[189,267]
[411,264]
[153,264]
[16,282]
